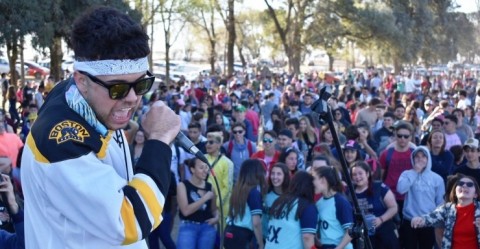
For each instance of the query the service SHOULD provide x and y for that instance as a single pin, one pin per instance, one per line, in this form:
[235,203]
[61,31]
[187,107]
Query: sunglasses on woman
[468,184]
[118,89]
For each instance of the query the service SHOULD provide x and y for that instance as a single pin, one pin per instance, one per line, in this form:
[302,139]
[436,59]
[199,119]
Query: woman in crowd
[198,209]
[351,150]
[412,118]
[244,217]
[278,182]
[470,118]
[458,217]
[335,214]
[137,146]
[424,191]
[378,204]
[276,121]
[442,160]
[291,224]
[366,142]
[326,136]
[338,116]
[308,135]
[289,157]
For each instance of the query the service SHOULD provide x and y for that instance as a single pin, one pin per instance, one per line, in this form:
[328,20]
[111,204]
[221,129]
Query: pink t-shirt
[452,139]
[400,162]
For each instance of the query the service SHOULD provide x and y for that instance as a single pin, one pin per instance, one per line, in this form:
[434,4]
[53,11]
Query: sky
[467,6]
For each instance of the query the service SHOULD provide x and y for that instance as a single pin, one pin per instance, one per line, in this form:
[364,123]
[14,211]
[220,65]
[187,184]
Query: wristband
[380,217]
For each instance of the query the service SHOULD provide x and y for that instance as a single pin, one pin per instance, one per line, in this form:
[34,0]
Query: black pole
[359,230]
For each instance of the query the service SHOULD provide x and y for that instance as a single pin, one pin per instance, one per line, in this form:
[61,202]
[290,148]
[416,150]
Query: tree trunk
[56,56]
[242,58]
[213,56]
[231,36]
[12,55]
[167,63]
[331,59]
[397,66]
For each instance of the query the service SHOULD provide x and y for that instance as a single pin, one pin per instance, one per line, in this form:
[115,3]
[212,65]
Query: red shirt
[464,234]
[261,155]
[400,162]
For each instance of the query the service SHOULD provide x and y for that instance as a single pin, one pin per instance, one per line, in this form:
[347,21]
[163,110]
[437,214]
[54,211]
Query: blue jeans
[196,236]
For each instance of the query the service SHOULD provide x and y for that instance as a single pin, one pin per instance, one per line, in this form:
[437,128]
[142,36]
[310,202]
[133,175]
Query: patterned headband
[112,67]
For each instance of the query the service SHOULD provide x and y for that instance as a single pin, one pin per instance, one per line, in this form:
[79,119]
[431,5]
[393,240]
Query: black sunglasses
[210,142]
[462,183]
[119,89]
[238,132]
[403,136]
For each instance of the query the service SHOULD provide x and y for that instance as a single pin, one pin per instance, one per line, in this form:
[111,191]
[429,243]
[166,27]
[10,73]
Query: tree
[291,29]
[251,34]
[17,18]
[201,14]
[170,14]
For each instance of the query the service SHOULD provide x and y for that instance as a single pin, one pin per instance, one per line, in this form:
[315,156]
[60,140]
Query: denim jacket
[444,216]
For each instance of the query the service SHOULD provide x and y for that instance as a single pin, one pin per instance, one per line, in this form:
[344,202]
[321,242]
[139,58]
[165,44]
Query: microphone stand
[359,230]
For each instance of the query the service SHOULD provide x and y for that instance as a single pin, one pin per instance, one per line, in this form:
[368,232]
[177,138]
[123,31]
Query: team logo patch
[68,130]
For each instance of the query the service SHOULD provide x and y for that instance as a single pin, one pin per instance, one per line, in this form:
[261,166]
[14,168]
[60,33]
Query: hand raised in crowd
[161,123]
[7,187]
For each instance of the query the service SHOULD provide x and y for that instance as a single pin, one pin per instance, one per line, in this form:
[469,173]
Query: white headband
[112,67]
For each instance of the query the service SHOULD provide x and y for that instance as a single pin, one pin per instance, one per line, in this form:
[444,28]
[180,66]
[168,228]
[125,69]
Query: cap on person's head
[428,102]
[471,143]
[240,108]
[286,132]
[351,145]
[226,99]
[221,86]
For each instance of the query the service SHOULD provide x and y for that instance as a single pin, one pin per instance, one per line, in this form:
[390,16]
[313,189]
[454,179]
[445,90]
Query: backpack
[389,158]
[230,148]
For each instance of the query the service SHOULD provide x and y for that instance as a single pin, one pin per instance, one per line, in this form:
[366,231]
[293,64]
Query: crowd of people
[411,145]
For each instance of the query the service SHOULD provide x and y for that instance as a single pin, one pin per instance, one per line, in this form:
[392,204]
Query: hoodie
[424,191]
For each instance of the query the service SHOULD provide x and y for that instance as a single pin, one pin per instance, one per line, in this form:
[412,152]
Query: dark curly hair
[104,33]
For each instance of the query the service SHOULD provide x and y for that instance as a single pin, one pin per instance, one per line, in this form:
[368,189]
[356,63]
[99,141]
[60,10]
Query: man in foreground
[79,186]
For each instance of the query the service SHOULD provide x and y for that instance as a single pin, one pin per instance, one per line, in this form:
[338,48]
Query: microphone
[187,144]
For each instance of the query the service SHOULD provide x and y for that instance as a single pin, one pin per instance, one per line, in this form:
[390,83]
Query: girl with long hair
[442,160]
[244,216]
[291,224]
[290,158]
[335,213]
[137,146]
[308,135]
[471,118]
[198,209]
[278,182]
[326,136]
[378,204]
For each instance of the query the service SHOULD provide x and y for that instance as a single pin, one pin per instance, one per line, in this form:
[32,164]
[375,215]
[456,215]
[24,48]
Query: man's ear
[81,82]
